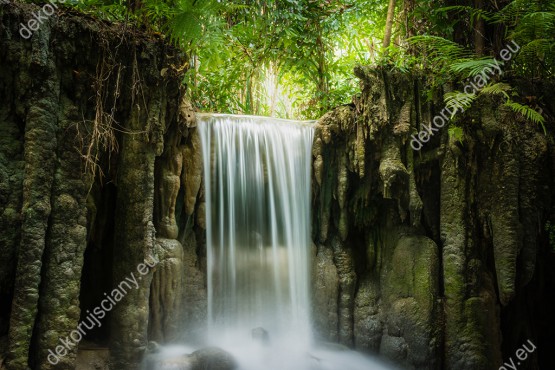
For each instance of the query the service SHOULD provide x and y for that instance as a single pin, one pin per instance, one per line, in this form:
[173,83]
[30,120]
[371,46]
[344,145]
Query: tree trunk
[389,24]
[479,31]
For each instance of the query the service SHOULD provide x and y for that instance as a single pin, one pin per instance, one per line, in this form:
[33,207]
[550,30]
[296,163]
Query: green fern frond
[537,50]
[475,13]
[190,20]
[457,100]
[185,27]
[527,112]
[472,67]
[535,25]
[540,18]
[515,10]
[441,48]
[499,88]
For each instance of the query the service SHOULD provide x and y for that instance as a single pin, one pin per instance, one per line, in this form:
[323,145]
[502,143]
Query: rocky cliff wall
[437,258]
[94,140]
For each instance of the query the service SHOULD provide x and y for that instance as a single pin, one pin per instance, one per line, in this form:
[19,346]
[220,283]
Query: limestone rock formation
[94,134]
[445,242]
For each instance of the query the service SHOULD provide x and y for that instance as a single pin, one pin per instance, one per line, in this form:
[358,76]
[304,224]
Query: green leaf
[456,133]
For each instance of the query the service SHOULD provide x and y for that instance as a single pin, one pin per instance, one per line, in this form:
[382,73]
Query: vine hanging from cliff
[98,137]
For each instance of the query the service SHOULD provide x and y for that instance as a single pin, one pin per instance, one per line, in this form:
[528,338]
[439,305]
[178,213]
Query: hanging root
[99,136]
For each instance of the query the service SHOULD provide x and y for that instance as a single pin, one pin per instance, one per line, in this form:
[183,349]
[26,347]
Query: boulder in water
[261,336]
[152,347]
[204,359]
[212,358]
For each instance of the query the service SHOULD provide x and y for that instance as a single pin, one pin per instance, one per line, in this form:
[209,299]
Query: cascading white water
[257,175]
[258,226]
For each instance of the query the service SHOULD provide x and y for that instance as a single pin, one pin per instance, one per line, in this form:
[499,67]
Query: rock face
[95,140]
[427,256]
[438,259]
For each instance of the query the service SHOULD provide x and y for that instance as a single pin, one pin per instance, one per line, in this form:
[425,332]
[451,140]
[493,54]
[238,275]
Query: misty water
[258,198]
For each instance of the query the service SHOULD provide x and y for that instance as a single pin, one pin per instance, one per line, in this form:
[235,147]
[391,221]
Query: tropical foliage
[529,24]
[286,58]
[295,58]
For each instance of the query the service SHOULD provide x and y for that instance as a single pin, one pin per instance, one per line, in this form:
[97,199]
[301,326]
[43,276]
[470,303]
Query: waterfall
[257,173]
